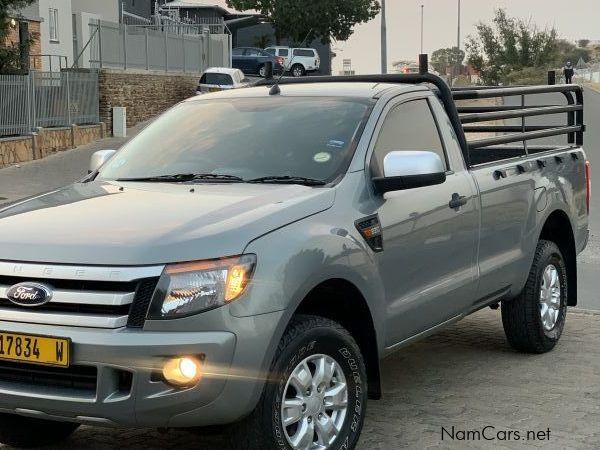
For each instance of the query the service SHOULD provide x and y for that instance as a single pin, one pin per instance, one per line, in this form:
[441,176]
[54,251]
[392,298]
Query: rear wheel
[298,70]
[316,397]
[26,432]
[534,321]
[262,71]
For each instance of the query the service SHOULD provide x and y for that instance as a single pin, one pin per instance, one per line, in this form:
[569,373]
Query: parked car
[217,79]
[298,61]
[252,255]
[252,60]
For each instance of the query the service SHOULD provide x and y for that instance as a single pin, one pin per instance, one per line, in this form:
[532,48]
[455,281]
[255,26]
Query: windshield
[249,138]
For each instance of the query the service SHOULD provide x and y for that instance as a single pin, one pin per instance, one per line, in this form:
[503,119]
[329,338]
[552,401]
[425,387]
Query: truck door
[428,265]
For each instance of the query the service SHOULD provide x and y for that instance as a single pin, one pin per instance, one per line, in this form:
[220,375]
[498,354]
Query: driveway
[465,377]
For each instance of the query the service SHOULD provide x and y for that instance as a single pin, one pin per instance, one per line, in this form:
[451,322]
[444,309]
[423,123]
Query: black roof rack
[463,115]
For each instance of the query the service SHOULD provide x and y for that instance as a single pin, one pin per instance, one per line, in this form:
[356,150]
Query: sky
[574,19]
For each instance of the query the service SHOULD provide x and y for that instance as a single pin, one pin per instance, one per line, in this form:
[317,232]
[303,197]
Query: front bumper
[222,396]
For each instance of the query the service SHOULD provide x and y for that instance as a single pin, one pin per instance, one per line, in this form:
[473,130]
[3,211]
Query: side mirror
[99,159]
[408,170]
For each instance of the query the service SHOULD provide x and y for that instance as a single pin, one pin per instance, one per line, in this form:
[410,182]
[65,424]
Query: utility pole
[422,17]
[458,37]
[383,39]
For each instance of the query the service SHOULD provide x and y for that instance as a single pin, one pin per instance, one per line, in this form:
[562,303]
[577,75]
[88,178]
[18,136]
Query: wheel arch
[558,229]
[347,306]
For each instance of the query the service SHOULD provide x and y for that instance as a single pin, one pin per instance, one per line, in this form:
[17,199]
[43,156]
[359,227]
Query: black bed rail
[461,116]
[509,133]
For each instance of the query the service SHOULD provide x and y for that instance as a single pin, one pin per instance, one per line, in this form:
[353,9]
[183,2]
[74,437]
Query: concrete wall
[46,141]
[144,94]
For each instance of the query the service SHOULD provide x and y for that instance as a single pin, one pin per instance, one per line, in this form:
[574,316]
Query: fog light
[182,372]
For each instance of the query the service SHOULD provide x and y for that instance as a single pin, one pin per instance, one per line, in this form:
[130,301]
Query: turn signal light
[182,372]
[370,230]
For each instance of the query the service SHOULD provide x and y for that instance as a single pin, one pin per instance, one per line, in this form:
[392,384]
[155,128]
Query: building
[32,25]
[55,33]
[64,30]
[248,28]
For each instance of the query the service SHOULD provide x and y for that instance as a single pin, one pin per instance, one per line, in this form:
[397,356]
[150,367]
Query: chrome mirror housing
[100,158]
[410,169]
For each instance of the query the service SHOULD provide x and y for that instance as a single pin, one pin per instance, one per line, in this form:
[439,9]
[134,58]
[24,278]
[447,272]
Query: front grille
[77,308]
[82,296]
[78,378]
[74,285]
[139,308]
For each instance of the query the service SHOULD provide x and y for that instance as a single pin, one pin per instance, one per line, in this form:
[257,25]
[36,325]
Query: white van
[298,61]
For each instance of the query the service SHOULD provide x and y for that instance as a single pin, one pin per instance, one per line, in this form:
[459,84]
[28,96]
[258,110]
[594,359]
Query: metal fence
[122,46]
[47,99]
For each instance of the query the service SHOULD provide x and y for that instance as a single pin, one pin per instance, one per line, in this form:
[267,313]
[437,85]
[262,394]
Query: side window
[409,126]
[253,52]
[270,51]
[303,52]
[237,52]
[284,52]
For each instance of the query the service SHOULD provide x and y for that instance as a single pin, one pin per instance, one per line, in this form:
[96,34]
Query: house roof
[221,5]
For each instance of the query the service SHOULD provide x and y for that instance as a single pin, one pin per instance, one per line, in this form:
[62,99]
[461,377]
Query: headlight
[190,288]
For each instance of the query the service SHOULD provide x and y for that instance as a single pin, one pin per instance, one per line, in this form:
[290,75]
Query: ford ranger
[249,258]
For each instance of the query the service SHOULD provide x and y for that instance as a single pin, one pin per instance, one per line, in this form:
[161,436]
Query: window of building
[53,24]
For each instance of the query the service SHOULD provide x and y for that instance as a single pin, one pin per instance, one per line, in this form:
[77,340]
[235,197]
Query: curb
[583,311]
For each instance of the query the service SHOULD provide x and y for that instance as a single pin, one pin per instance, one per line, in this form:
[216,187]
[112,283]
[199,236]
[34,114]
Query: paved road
[466,376]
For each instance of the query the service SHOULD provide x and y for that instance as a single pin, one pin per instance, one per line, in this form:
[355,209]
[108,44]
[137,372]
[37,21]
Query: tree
[508,45]
[583,43]
[443,58]
[301,20]
[10,52]
[569,52]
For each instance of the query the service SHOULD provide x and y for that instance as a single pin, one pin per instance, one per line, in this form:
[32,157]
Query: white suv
[298,61]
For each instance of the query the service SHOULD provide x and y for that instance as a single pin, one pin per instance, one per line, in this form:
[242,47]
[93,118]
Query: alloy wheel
[550,297]
[315,403]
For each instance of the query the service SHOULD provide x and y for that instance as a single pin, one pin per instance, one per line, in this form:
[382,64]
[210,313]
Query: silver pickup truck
[250,257]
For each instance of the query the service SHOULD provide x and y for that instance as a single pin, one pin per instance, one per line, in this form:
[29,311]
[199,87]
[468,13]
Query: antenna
[275,90]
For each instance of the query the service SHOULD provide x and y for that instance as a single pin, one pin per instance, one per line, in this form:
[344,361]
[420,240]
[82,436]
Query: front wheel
[298,70]
[26,432]
[317,393]
[534,321]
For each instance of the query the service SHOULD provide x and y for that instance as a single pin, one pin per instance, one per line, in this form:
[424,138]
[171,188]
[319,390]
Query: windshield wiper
[288,180]
[184,177]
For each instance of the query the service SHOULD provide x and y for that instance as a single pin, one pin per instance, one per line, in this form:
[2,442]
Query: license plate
[214,89]
[43,350]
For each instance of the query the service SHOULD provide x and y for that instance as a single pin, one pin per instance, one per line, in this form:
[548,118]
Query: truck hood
[110,223]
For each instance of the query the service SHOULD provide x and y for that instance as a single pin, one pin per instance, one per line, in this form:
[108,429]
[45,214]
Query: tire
[298,70]
[524,326]
[26,432]
[262,71]
[309,339]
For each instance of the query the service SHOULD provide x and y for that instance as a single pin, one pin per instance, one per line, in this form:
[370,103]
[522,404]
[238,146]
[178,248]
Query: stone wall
[46,141]
[144,94]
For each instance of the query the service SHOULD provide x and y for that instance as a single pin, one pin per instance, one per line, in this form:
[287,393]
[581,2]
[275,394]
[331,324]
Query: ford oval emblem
[29,294]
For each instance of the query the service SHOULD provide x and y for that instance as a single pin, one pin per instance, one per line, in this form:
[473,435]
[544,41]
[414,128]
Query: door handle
[457,201]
